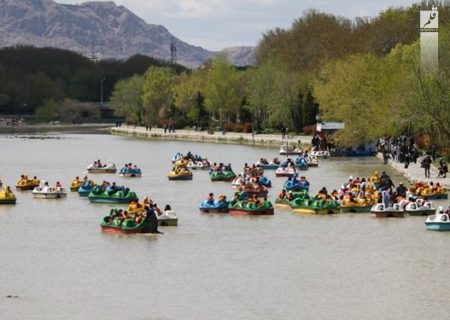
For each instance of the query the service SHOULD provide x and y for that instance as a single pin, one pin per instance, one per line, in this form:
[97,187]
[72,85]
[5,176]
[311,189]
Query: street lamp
[101,91]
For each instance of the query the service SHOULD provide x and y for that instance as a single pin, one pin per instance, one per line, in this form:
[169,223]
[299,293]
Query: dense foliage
[33,78]
[365,73]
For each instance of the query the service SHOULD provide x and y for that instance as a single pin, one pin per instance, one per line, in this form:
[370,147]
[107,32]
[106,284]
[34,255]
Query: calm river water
[57,264]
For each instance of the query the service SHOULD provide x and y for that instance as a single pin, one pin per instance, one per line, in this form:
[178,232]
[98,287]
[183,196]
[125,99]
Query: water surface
[57,264]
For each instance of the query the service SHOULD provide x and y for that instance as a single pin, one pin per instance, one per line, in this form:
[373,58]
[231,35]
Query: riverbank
[270,140]
[415,173]
[411,174]
[21,128]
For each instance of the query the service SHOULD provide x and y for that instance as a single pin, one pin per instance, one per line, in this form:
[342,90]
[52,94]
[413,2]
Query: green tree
[48,111]
[221,90]
[157,94]
[127,99]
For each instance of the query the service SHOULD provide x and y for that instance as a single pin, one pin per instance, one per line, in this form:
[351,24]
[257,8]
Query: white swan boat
[394,211]
[44,191]
[108,167]
[417,209]
[285,172]
[285,150]
[440,221]
[320,153]
[168,218]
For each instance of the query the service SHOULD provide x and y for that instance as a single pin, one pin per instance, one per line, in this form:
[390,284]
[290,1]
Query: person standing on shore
[407,158]
[426,164]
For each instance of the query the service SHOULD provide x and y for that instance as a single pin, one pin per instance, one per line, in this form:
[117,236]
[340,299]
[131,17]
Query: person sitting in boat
[147,201]
[255,184]
[251,198]
[112,188]
[76,180]
[322,194]
[334,195]
[99,164]
[401,190]
[125,168]
[235,200]
[304,180]
[282,194]
[58,185]
[228,167]
[123,216]
[104,185]
[139,216]
[167,207]
[290,196]
[157,209]
[448,210]
[210,198]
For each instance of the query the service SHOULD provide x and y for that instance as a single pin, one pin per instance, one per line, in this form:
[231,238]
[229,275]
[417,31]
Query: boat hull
[44,195]
[442,196]
[438,226]
[7,201]
[269,166]
[180,178]
[389,214]
[117,230]
[321,211]
[100,170]
[109,200]
[26,187]
[74,188]
[173,222]
[248,212]
[131,175]
[424,212]
[355,209]
[213,210]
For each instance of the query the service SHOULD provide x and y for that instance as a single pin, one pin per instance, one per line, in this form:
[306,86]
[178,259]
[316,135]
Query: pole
[101,91]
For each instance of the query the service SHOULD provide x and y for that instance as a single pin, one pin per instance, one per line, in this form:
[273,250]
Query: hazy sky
[218,24]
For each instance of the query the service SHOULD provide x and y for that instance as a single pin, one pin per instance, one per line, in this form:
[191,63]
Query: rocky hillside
[98,29]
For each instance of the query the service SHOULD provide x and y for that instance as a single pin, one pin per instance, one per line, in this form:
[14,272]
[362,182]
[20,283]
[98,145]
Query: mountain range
[101,30]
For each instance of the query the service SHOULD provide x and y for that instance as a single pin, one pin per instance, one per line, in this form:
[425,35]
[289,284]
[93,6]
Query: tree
[157,94]
[127,99]
[352,90]
[48,111]
[222,89]
[187,94]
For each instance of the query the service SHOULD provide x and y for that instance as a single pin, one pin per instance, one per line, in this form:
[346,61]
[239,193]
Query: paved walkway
[229,137]
[415,173]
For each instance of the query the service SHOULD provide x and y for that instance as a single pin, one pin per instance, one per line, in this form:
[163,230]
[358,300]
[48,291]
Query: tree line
[365,72]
